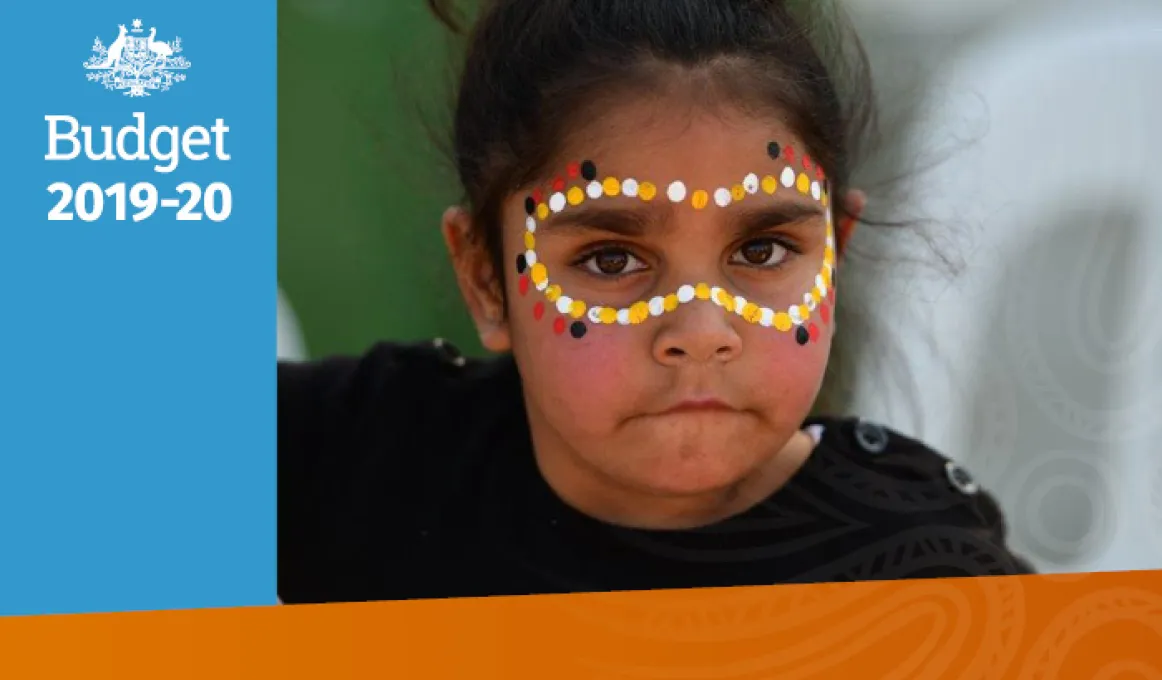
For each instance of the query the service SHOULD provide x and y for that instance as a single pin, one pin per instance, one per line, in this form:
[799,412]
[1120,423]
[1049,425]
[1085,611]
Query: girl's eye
[612,262]
[760,253]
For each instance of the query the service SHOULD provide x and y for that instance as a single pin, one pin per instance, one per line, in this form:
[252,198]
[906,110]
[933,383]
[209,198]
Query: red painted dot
[819,173]
[825,313]
[574,170]
[807,163]
[559,184]
[539,311]
[813,331]
[559,325]
[790,154]
[524,285]
[538,195]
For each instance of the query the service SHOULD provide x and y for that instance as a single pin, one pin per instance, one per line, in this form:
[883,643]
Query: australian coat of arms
[135,63]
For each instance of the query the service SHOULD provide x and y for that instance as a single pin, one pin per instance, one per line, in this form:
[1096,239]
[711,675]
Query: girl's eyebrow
[752,220]
[624,221]
[636,221]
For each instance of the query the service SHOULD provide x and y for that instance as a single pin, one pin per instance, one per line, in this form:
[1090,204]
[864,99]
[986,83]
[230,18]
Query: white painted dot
[815,192]
[530,257]
[830,241]
[685,294]
[819,282]
[658,306]
[739,303]
[796,317]
[630,188]
[809,301]
[767,317]
[564,304]
[623,317]
[557,202]
[531,224]
[677,192]
[788,177]
[595,314]
[722,198]
[543,285]
[751,183]
[595,190]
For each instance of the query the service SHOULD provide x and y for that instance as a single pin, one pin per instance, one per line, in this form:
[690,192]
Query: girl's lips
[698,405]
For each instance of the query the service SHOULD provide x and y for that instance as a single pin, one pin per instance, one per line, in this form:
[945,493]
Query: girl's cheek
[594,366]
[784,366]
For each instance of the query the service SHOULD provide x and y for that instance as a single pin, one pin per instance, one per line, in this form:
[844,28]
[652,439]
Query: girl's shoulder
[388,379]
[396,398]
[893,480]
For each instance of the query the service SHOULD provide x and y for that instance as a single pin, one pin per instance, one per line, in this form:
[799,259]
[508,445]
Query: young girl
[652,244]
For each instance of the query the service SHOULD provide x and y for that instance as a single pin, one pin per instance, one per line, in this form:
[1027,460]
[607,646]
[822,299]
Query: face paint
[572,314]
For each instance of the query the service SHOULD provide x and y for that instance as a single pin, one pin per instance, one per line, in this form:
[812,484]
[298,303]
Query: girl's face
[629,379]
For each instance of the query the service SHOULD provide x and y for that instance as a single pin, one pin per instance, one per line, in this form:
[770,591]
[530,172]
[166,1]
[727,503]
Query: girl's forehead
[660,138]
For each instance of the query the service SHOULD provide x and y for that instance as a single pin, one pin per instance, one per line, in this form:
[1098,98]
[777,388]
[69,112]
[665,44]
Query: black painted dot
[578,330]
[589,170]
[802,336]
[774,151]
[530,205]
[521,264]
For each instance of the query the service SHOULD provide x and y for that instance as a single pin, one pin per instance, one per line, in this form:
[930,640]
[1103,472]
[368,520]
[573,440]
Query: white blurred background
[1039,364]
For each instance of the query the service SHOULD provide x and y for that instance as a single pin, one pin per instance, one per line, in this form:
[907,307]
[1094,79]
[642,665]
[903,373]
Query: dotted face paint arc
[795,319]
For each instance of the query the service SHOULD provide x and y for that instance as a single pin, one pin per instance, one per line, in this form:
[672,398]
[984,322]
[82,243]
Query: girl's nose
[697,333]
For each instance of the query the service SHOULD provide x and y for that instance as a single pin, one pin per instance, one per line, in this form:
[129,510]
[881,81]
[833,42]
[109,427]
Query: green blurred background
[363,110]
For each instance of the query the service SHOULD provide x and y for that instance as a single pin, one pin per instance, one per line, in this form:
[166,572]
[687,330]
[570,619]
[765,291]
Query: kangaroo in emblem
[113,55]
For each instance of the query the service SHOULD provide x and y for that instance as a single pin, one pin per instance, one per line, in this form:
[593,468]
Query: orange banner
[1105,626]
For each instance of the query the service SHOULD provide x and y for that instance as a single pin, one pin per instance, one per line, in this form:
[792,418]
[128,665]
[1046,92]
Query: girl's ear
[854,203]
[480,285]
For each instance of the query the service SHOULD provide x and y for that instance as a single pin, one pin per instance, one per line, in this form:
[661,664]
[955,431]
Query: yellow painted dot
[752,313]
[543,211]
[816,295]
[539,274]
[702,291]
[728,302]
[670,303]
[824,199]
[608,315]
[647,191]
[576,196]
[639,312]
[553,293]
[770,184]
[804,313]
[612,186]
[804,183]
[578,309]
[700,199]
[783,321]
[738,192]
[829,255]
[826,277]
[530,241]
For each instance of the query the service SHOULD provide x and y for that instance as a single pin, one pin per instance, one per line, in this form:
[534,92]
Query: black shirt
[408,473]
